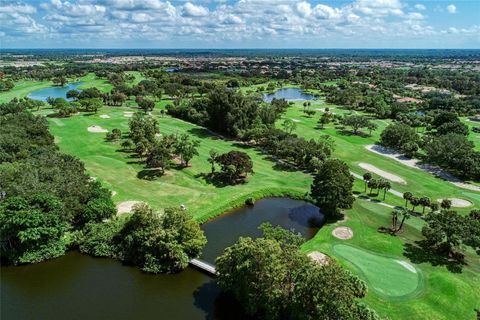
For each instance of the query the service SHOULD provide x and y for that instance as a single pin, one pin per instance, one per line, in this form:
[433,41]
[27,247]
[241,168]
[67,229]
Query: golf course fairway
[391,278]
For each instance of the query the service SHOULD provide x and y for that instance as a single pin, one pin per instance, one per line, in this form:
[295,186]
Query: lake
[78,286]
[54,92]
[288,94]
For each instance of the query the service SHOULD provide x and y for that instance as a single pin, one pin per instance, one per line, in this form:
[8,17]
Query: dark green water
[77,286]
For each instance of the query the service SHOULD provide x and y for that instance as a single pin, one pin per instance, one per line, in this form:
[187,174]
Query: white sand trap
[114,193]
[407,265]
[381,173]
[126,206]
[296,120]
[128,114]
[414,163]
[97,129]
[105,116]
[458,203]
[319,257]
[343,233]
[323,110]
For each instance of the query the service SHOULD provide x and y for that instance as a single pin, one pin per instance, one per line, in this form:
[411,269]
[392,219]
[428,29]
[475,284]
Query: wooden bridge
[204,266]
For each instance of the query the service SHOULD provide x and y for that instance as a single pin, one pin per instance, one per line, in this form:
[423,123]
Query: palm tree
[407,196]
[434,206]
[386,186]
[405,216]
[414,202]
[395,214]
[372,184]
[367,176]
[425,202]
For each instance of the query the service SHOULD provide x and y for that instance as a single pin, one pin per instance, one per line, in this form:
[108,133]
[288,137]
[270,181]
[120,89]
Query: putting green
[389,277]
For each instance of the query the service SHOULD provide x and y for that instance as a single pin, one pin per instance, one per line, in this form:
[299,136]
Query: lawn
[440,294]
[351,149]
[22,89]
[119,171]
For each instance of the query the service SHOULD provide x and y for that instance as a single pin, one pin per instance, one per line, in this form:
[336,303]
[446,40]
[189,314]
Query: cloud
[420,6]
[451,8]
[191,10]
[209,22]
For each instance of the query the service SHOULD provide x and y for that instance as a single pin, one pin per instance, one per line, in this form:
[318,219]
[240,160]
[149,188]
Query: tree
[371,127]
[407,196]
[367,176]
[186,148]
[272,279]
[405,216]
[446,204]
[386,186]
[373,184]
[443,231]
[324,120]
[32,228]
[400,137]
[414,201]
[72,94]
[159,156]
[91,104]
[331,189]
[424,202]
[235,166]
[395,213]
[160,242]
[356,122]
[115,134]
[212,159]
[289,125]
[60,81]
[146,105]
[434,206]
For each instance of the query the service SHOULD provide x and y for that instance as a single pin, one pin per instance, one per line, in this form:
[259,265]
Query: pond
[288,94]
[77,286]
[54,92]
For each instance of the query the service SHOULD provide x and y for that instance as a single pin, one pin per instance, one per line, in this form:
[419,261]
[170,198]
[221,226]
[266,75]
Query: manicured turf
[351,149]
[119,171]
[389,277]
[22,89]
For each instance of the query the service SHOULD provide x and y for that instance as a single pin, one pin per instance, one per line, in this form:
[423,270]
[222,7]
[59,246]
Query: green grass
[386,275]
[351,149]
[118,170]
[22,89]
[91,81]
[441,294]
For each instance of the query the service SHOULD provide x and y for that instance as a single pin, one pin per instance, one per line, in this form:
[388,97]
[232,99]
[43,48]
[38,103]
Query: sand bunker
[458,203]
[105,116]
[97,129]
[296,120]
[126,206]
[407,266]
[319,257]
[414,163]
[114,193]
[343,233]
[128,114]
[381,173]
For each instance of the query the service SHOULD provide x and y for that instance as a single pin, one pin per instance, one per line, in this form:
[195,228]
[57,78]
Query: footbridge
[203,266]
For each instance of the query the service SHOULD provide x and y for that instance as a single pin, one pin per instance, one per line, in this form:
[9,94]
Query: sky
[239,24]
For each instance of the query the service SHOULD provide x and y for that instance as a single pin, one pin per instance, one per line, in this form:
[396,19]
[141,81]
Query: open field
[119,171]
[438,288]
[22,89]
[351,149]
